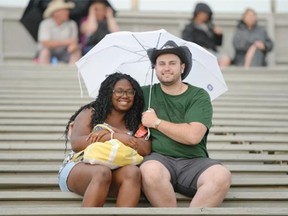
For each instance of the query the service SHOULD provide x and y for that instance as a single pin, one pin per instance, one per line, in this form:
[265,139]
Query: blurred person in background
[58,35]
[203,32]
[99,22]
[251,42]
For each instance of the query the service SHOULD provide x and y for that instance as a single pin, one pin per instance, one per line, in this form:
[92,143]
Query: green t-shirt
[194,105]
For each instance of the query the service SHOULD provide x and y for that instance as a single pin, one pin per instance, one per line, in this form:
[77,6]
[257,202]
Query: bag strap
[79,155]
[104,126]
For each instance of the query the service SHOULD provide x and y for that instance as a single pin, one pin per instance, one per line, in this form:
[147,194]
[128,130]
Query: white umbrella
[126,52]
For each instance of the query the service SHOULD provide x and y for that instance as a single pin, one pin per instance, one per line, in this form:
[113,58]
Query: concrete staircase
[250,137]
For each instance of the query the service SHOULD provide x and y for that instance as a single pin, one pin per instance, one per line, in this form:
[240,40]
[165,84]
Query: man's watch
[157,123]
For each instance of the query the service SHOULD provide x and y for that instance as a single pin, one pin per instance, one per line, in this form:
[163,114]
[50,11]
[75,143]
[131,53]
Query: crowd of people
[62,38]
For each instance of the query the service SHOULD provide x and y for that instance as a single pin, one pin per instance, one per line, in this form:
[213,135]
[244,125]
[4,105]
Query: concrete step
[249,136]
[215,129]
[213,148]
[56,199]
[48,157]
[255,169]
[265,211]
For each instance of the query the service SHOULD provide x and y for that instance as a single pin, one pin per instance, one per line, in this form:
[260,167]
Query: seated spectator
[99,22]
[203,32]
[251,42]
[119,104]
[57,35]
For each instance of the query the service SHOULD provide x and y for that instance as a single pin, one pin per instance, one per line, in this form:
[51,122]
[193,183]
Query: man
[58,36]
[179,120]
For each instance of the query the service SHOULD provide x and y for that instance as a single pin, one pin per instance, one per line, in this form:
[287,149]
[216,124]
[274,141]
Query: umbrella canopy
[33,13]
[127,52]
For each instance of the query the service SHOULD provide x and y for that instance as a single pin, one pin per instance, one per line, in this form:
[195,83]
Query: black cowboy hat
[182,52]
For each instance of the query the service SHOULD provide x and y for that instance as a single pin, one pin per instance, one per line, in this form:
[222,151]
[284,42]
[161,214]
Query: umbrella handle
[80,85]
[150,90]
[148,134]
[149,101]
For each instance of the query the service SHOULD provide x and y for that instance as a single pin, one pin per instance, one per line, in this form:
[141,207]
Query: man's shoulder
[189,26]
[47,21]
[71,22]
[200,92]
[147,87]
[194,88]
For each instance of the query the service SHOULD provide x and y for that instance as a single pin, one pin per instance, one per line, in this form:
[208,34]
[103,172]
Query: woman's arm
[142,146]
[81,135]
[111,21]
[80,130]
[267,42]
[90,25]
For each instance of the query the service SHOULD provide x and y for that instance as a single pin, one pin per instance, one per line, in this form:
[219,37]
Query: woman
[251,42]
[99,22]
[119,105]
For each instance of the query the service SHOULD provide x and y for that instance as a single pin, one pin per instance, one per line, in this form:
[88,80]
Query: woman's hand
[142,146]
[96,136]
[259,45]
[92,10]
[217,30]
[132,142]
[109,13]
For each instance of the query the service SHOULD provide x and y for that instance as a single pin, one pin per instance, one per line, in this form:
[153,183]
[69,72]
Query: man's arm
[185,133]
[58,43]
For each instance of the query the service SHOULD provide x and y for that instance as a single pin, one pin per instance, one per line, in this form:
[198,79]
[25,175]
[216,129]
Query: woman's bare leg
[249,56]
[126,185]
[92,182]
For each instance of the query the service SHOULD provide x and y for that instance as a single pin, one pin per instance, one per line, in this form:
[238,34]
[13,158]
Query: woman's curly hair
[102,106]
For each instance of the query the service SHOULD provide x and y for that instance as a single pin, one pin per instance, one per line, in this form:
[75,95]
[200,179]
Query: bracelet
[157,123]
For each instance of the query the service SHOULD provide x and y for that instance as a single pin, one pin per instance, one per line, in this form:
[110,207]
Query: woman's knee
[83,175]
[101,173]
[131,173]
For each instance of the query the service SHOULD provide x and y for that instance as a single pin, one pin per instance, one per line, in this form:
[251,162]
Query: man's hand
[149,118]
[73,46]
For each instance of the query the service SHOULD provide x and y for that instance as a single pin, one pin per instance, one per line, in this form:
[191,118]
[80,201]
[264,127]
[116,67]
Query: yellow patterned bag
[112,153]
